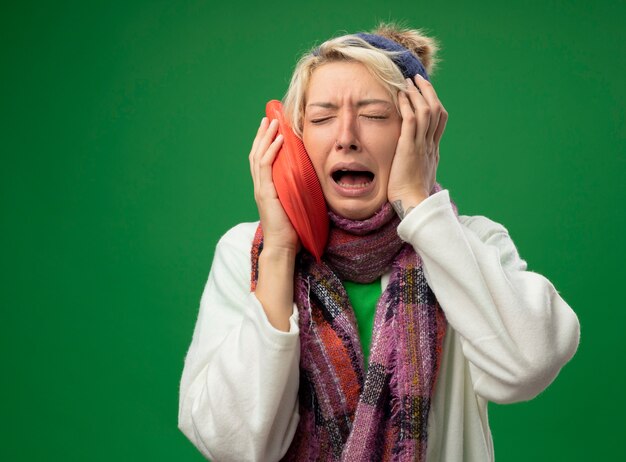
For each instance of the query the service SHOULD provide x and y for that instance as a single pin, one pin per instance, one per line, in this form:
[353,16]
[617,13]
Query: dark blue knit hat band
[406,61]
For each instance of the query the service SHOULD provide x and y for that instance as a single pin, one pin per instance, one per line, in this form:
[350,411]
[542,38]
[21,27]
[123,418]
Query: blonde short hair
[351,48]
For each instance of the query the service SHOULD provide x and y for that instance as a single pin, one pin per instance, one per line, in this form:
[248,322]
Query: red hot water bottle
[298,187]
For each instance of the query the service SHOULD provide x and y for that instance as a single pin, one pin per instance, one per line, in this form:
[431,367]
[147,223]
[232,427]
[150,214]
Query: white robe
[509,333]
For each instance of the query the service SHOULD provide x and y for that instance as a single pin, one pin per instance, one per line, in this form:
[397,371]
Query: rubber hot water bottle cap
[298,187]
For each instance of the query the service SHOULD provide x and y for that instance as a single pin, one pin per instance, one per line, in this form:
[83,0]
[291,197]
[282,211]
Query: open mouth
[353,178]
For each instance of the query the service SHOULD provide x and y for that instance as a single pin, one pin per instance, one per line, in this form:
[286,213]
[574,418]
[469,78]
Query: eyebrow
[361,103]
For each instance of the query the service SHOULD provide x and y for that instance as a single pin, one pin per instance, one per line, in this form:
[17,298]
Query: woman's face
[350,131]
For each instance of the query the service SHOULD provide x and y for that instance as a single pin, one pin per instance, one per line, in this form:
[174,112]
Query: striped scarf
[347,413]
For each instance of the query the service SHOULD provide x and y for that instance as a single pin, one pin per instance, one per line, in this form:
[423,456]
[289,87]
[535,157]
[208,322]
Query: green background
[125,133]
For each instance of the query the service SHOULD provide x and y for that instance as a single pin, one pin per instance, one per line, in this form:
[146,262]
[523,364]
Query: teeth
[353,186]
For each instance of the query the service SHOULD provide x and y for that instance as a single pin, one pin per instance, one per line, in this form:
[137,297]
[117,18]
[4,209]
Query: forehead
[344,80]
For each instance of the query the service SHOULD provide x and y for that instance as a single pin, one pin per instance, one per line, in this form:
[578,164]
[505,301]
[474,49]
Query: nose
[347,136]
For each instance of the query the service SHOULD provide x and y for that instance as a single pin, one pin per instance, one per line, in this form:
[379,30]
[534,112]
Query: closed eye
[374,113]
[320,120]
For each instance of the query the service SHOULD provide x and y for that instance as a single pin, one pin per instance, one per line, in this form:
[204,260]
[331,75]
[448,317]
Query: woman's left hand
[414,168]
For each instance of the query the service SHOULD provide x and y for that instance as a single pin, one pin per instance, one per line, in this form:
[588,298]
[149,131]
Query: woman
[391,347]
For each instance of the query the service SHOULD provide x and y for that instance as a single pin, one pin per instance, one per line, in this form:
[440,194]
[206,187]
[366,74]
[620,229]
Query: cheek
[388,151]
[384,143]
[318,166]
[316,153]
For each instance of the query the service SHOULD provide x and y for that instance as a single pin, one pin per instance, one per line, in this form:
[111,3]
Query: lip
[351,191]
[354,192]
[349,166]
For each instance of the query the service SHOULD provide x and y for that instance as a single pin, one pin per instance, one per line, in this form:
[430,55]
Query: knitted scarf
[347,414]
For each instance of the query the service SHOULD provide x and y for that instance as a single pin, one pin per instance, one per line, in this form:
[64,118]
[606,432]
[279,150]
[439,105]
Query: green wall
[126,128]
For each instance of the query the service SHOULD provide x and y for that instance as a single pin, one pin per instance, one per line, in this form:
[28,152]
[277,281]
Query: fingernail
[419,76]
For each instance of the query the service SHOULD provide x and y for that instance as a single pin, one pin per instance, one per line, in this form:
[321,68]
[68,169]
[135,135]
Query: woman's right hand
[278,232]
[274,288]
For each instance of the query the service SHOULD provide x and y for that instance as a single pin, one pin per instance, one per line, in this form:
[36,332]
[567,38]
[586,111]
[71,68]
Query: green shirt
[364,298]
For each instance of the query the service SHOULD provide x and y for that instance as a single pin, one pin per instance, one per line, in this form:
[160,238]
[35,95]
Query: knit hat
[408,63]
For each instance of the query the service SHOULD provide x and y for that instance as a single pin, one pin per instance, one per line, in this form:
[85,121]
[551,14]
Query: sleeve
[516,331]
[238,392]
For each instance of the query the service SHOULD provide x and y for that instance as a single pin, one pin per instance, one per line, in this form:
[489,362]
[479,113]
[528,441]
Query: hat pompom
[415,40]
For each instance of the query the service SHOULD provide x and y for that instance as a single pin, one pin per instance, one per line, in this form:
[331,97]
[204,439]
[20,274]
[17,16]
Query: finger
[422,109]
[407,129]
[263,145]
[414,94]
[443,120]
[259,134]
[436,108]
[267,138]
[265,166]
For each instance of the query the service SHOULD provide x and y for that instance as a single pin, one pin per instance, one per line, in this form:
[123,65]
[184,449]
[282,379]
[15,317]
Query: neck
[363,250]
